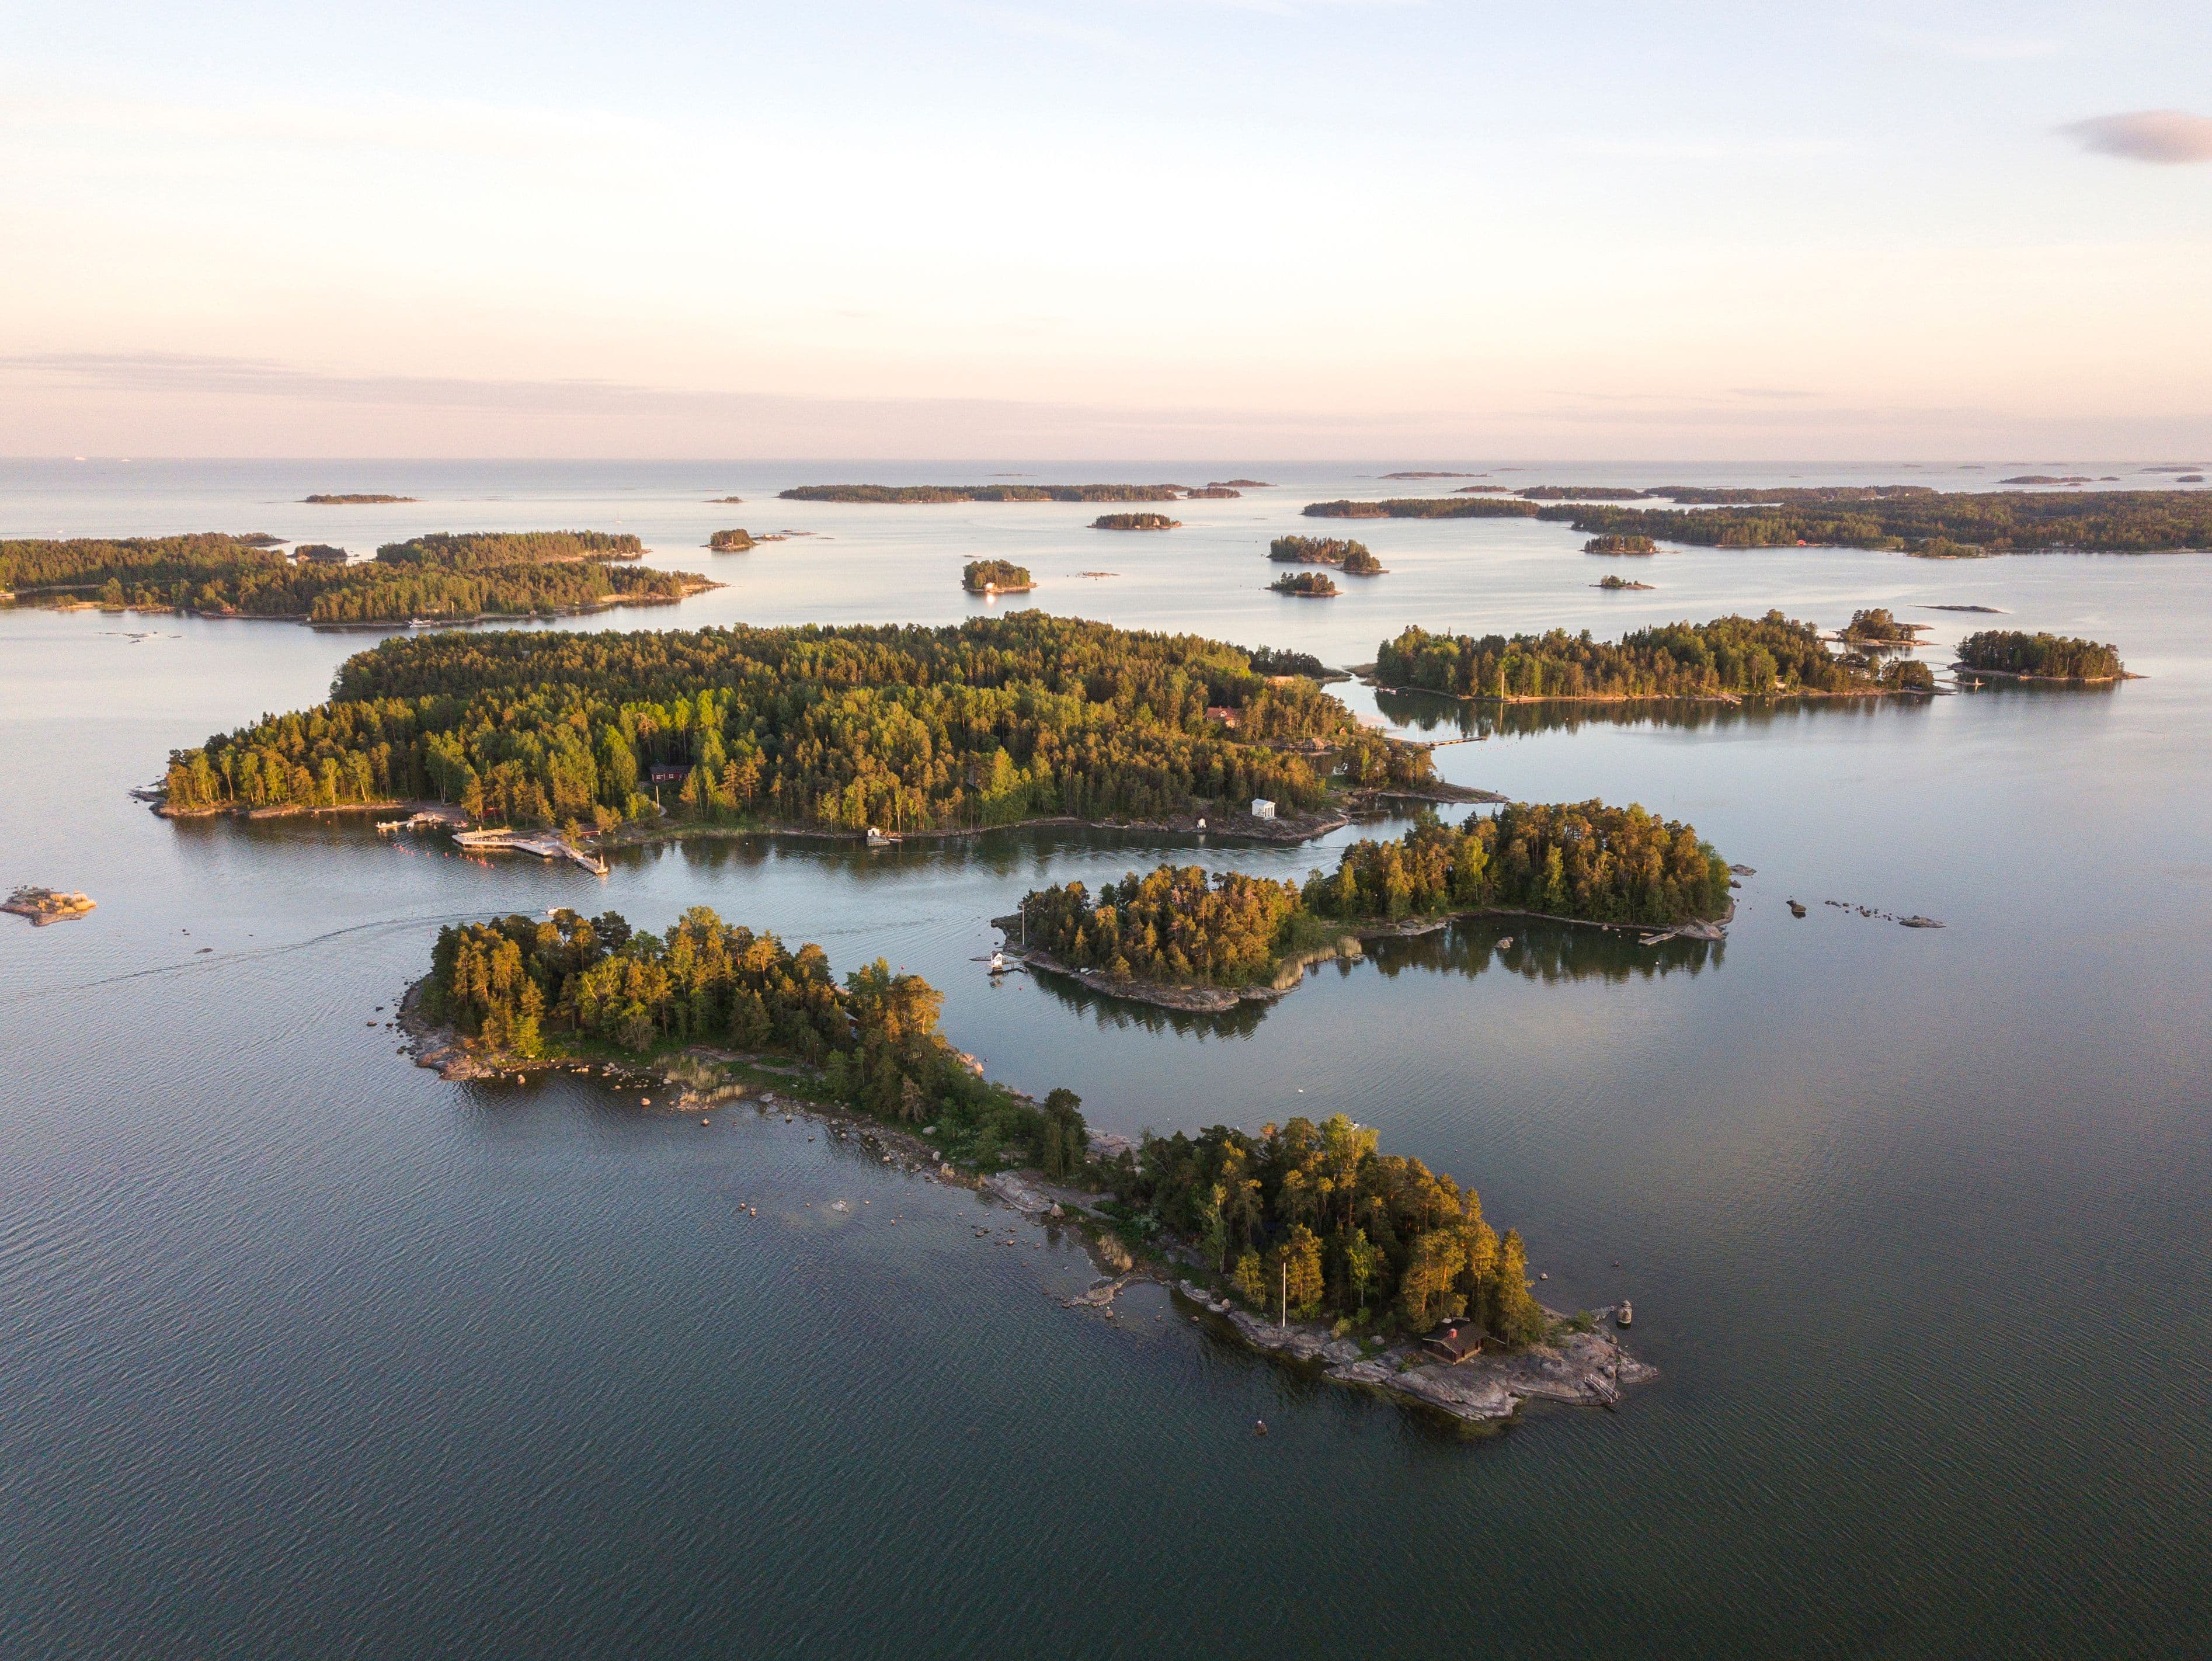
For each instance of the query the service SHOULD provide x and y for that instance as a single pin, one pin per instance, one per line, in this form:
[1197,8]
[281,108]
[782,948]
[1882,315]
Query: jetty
[545,844]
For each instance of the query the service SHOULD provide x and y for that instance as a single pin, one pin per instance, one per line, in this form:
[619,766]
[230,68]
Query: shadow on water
[1551,953]
[1432,712]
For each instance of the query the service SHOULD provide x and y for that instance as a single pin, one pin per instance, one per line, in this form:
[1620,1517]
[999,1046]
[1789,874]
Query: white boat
[883,838]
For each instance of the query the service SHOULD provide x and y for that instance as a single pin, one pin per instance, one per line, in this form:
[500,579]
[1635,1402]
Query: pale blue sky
[1126,228]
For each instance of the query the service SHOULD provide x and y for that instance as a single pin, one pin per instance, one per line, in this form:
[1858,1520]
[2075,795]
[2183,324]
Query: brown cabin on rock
[664,775]
[1455,1341]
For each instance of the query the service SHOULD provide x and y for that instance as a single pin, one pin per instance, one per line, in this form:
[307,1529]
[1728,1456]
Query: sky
[1161,228]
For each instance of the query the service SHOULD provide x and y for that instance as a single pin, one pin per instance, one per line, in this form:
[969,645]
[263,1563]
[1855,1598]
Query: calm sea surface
[303,1351]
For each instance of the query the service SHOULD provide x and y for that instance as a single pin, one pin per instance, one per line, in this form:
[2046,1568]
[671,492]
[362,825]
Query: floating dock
[545,845]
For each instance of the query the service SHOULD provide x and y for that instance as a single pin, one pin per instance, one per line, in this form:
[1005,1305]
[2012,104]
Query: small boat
[883,838]
[998,963]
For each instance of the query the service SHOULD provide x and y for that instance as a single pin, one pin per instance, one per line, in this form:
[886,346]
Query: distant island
[995,576]
[1476,489]
[1909,519]
[45,905]
[442,578]
[1135,522]
[1620,545]
[2023,656]
[1431,475]
[351,501]
[1030,718]
[1577,492]
[1306,1240]
[319,553]
[1212,493]
[1240,484]
[2048,478]
[1874,626]
[724,502]
[1733,658]
[731,541]
[1305,584]
[907,494]
[1619,582]
[1351,557]
[1179,938]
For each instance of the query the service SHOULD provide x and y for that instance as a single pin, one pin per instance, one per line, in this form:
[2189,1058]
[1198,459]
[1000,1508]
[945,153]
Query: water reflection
[1551,953]
[1432,712]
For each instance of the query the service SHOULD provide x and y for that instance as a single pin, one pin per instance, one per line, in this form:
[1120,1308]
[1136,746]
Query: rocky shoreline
[1573,1366]
[45,905]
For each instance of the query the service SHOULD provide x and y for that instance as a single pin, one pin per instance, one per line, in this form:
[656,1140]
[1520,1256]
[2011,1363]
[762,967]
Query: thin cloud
[2169,137]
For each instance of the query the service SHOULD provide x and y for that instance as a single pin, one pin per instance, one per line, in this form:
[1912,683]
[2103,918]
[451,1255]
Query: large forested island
[1135,522]
[2039,657]
[1727,658]
[933,493]
[1295,1225]
[354,499]
[443,578]
[1177,929]
[992,722]
[1909,519]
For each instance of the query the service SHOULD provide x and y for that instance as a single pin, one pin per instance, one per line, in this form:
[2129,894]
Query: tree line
[1351,557]
[989,722]
[529,987]
[1584,860]
[2052,657]
[1730,657]
[1912,518]
[1317,1221]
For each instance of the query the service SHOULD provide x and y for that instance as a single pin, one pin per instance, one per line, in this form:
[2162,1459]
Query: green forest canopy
[1584,861]
[989,722]
[442,576]
[1730,657]
[2054,657]
[980,574]
[1305,585]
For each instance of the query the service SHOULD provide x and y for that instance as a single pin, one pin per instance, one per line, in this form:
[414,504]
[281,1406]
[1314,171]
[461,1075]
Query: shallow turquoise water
[303,1350]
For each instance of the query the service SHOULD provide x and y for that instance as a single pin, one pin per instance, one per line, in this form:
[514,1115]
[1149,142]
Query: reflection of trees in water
[1428,712]
[1121,1014]
[1022,856]
[1998,686]
[1550,952]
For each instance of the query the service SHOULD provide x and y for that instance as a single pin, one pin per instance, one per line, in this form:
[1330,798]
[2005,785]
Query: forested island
[1177,929]
[2039,657]
[1212,493]
[1353,558]
[1911,519]
[938,493]
[1619,544]
[1619,582]
[731,541]
[1875,626]
[351,501]
[1135,522]
[1577,493]
[995,576]
[1305,584]
[440,577]
[994,721]
[1295,1225]
[1730,657]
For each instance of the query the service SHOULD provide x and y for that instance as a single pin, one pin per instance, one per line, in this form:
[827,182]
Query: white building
[1263,808]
